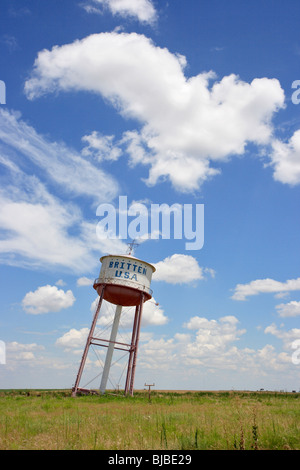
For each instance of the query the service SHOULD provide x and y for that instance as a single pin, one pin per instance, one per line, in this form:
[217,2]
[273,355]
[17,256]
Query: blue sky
[165,102]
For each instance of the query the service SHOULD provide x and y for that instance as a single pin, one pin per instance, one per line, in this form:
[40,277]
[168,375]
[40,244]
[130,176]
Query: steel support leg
[110,350]
[88,342]
[134,347]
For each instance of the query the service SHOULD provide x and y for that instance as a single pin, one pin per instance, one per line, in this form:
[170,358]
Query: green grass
[32,419]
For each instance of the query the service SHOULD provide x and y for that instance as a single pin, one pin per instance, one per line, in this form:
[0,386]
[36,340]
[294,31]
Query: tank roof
[130,257]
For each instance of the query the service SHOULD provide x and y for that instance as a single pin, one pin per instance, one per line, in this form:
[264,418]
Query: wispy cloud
[259,286]
[64,166]
[10,42]
[37,228]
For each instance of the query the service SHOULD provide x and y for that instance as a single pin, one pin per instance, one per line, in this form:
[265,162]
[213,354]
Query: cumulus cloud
[264,286]
[153,314]
[285,158]
[84,281]
[288,337]
[211,345]
[188,125]
[212,336]
[47,299]
[179,269]
[101,146]
[73,339]
[22,353]
[143,10]
[291,309]
[158,354]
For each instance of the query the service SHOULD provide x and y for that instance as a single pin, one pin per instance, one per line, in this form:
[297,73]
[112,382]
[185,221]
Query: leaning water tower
[125,282]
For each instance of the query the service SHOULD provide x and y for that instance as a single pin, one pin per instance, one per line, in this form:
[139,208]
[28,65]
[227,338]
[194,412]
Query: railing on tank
[123,283]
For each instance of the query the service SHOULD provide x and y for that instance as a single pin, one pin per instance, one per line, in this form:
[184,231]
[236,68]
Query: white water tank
[124,277]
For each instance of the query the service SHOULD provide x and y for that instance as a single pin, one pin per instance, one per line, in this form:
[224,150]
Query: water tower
[123,281]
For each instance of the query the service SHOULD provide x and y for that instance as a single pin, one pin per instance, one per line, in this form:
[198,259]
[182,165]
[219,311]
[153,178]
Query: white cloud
[187,123]
[62,165]
[158,354]
[38,229]
[178,269]
[73,339]
[288,337]
[84,281]
[47,299]
[102,147]
[153,314]
[210,346]
[16,347]
[269,359]
[25,356]
[212,336]
[264,286]
[291,309]
[207,350]
[19,353]
[281,295]
[143,10]
[210,271]
[285,158]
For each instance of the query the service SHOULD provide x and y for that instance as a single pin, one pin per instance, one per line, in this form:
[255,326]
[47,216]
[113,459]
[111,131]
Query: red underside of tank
[120,295]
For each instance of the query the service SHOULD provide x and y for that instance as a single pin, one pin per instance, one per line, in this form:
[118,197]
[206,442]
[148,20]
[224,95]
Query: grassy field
[32,419]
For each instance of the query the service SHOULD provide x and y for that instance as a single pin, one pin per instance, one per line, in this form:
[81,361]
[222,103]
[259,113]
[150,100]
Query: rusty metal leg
[138,327]
[88,343]
[110,349]
[132,347]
